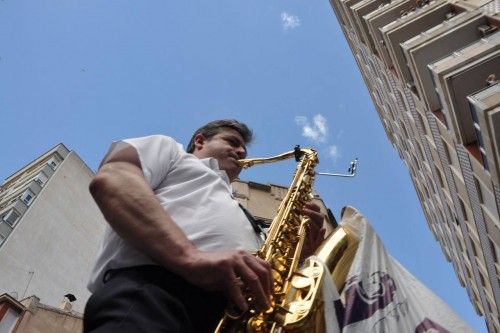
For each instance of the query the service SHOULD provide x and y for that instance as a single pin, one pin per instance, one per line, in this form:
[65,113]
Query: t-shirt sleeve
[157,154]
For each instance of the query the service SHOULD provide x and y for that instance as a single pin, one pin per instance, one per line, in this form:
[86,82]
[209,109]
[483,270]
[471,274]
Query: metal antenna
[31,273]
[352,170]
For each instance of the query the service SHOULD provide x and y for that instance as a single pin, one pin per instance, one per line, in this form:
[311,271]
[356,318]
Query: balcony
[359,10]
[346,5]
[9,217]
[410,25]
[380,17]
[461,74]
[485,108]
[436,43]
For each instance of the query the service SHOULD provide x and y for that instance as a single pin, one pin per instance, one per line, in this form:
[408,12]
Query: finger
[235,294]
[315,216]
[263,269]
[319,239]
[312,206]
[313,241]
[322,233]
[260,287]
[252,282]
[308,248]
[312,230]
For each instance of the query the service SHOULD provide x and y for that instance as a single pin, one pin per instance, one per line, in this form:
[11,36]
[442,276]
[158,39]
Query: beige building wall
[432,70]
[31,316]
[263,200]
[50,248]
[41,318]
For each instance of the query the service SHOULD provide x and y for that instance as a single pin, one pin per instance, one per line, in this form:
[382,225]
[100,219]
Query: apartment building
[50,229]
[432,70]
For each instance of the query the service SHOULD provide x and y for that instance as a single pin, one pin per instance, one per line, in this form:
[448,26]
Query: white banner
[380,295]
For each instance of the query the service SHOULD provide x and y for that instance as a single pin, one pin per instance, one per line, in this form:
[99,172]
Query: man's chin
[233,174]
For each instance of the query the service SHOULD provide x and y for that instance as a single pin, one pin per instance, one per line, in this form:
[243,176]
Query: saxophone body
[296,300]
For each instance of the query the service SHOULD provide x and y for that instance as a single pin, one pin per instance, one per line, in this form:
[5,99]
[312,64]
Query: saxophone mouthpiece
[246,163]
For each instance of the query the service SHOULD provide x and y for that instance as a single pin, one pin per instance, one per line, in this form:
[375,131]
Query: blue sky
[88,72]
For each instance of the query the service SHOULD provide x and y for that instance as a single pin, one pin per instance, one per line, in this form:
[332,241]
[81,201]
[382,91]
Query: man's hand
[316,232]
[229,272]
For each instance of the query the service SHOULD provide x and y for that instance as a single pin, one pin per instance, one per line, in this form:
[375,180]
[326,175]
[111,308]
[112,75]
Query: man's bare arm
[131,208]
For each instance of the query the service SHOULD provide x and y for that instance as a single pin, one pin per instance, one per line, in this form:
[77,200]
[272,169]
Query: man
[178,246]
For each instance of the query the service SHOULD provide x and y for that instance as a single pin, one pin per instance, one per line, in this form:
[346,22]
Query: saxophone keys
[298,311]
[279,264]
[298,273]
[283,309]
[301,282]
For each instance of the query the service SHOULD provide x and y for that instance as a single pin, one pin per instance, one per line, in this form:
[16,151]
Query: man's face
[227,147]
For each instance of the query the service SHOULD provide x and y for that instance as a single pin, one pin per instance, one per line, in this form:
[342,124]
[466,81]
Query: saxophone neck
[297,153]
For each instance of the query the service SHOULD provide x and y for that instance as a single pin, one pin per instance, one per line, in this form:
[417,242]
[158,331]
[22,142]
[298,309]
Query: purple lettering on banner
[363,300]
[428,326]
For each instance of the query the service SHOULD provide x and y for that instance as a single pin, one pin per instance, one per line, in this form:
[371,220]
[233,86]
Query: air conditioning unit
[486,29]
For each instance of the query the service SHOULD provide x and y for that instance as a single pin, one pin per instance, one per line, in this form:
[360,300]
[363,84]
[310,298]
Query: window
[41,178]
[493,250]
[439,177]
[479,190]
[468,273]
[484,158]
[474,250]
[54,161]
[9,321]
[481,277]
[11,217]
[479,138]
[27,197]
[422,124]
[446,149]
[490,308]
[459,242]
[464,211]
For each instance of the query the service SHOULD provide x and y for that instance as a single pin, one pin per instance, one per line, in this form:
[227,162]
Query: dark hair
[214,127]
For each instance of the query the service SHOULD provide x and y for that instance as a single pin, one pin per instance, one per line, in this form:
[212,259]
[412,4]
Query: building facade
[50,229]
[263,200]
[29,315]
[432,69]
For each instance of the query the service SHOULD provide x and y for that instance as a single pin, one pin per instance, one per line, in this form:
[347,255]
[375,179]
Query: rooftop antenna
[31,273]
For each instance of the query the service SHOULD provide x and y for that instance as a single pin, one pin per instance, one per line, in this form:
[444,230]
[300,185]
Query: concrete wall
[52,249]
[39,318]
[263,200]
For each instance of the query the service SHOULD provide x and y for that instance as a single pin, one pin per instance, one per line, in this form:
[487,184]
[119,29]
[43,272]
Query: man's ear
[199,141]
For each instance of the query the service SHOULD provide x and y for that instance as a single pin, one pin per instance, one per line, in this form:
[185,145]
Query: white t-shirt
[195,193]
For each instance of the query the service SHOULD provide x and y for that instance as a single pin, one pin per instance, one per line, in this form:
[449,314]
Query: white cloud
[320,123]
[334,152]
[317,131]
[301,120]
[289,21]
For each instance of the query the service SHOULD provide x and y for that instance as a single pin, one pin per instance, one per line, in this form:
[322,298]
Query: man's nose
[241,151]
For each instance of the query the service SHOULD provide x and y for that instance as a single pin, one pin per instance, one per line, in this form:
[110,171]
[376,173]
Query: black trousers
[151,299]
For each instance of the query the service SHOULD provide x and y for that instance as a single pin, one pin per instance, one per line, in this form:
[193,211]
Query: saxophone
[296,300]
